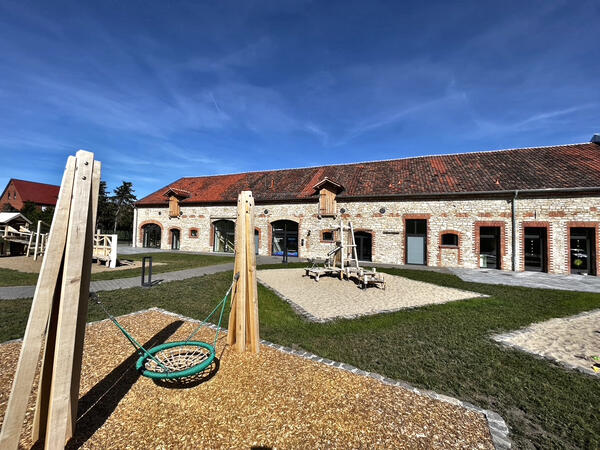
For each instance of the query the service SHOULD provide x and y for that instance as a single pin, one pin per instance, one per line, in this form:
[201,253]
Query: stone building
[521,209]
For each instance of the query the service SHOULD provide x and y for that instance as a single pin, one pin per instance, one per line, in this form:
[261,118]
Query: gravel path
[571,341]
[332,298]
[273,400]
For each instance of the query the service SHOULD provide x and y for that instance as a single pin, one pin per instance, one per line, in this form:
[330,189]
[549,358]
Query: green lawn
[171,262]
[445,348]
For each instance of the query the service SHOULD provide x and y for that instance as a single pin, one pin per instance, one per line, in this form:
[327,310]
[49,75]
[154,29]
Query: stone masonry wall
[462,217]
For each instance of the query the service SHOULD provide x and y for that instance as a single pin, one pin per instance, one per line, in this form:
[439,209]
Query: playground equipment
[184,359]
[342,261]
[35,242]
[175,360]
[243,320]
[105,249]
[58,314]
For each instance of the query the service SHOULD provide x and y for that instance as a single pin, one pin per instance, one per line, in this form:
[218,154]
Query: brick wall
[463,217]
[9,197]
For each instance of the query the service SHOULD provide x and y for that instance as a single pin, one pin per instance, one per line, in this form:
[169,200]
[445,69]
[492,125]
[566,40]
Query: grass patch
[9,277]
[446,348]
[170,263]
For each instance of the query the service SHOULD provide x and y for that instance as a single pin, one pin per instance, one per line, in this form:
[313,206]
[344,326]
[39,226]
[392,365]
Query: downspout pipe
[514,231]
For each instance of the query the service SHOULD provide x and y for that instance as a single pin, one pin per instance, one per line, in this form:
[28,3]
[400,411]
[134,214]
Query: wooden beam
[243,319]
[37,239]
[59,417]
[252,325]
[39,313]
[86,273]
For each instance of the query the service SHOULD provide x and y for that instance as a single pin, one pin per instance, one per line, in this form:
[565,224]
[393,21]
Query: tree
[7,207]
[123,201]
[35,213]
[106,209]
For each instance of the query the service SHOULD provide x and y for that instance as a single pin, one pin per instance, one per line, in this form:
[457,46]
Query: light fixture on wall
[159,213]
[266,211]
[308,233]
[382,210]
[343,210]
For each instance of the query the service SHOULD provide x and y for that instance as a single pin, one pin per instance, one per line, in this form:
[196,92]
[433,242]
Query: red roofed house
[18,192]
[521,209]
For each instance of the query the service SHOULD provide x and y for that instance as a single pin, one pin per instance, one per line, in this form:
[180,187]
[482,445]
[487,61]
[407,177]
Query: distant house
[13,220]
[18,192]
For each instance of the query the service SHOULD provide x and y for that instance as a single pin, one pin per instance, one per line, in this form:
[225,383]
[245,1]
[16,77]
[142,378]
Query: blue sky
[160,90]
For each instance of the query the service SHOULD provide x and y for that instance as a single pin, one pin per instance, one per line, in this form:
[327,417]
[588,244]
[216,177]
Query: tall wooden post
[243,320]
[58,314]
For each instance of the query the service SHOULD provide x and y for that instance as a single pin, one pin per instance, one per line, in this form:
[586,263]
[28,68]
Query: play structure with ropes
[55,332]
[175,360]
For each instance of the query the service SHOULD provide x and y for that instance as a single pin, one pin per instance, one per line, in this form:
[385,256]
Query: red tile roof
[38,193]
[565,166]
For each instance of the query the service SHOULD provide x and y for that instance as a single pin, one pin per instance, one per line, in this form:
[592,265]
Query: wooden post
[38,317]
[37,240]
[58,311]
[29,243]
[243,320]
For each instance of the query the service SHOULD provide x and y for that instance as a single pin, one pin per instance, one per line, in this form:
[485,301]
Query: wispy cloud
[204,88]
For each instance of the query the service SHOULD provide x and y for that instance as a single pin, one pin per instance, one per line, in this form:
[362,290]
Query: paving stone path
[14,292]
[539,280]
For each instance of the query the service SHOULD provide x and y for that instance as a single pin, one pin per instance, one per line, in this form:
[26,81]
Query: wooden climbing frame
[58,314]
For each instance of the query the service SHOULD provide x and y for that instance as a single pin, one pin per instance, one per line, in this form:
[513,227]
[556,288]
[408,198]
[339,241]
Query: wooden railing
[105,249]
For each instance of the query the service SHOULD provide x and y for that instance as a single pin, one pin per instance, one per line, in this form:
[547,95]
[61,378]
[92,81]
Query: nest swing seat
[175,360]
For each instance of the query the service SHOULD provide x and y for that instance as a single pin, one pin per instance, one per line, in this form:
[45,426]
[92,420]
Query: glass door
[175,239]
[285,238]
[364,243]
[489,247]
[534,246]
[582,251]
[416,241]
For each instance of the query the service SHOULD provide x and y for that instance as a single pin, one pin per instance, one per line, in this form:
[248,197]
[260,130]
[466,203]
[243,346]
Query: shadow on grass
[96,406]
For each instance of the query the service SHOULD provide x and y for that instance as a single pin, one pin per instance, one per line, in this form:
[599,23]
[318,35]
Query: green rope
[139,346]
[222,304]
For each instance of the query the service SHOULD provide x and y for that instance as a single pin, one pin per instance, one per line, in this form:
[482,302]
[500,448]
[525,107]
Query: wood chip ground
[270,400]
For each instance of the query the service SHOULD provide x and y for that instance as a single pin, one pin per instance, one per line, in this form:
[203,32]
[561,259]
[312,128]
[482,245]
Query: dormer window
[327,203]
[174,209]
[175,196]
[328,191]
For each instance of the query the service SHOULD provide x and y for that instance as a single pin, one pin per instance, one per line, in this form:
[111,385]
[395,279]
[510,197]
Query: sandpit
[273,399]
[332,298]
[571,341]
[27,264]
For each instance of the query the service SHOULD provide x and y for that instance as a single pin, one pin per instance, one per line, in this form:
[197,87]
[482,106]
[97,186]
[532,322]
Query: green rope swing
[175,360]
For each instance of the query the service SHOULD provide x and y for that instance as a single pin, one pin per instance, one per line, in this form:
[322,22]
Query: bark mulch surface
[268,400]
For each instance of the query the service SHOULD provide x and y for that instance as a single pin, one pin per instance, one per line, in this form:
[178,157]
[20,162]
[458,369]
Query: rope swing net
[176,360]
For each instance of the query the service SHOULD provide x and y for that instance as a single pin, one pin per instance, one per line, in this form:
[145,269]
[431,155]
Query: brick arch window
[449,239]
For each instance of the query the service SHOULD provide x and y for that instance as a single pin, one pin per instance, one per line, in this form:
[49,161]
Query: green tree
[35,213]
[106,209]
[123,201]
[7,207]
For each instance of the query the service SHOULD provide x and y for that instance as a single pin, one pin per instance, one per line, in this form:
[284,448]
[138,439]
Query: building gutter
[499,193]
[508,192]
[514,231]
